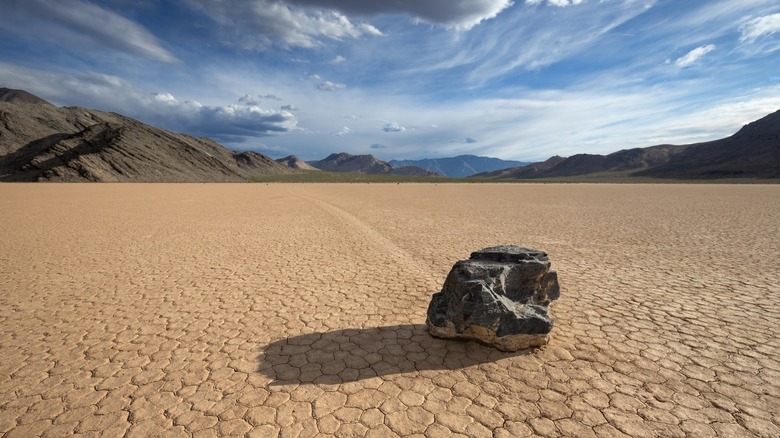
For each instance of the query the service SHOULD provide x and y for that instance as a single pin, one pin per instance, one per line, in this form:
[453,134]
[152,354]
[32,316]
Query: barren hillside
[42,142]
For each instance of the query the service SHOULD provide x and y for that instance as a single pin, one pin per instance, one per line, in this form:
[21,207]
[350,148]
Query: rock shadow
[349,355]
[14,166]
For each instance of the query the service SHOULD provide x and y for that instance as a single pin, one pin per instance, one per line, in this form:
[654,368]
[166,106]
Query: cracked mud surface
[299,310]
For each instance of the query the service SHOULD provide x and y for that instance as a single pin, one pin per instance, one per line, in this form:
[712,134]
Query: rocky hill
[753,152]
[522,172]
[20,96]
[344,162]
[460,166]
[294,162]
[42,142]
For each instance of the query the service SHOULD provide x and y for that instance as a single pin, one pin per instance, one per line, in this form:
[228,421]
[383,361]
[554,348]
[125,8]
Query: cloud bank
[219,121]
[263,23]
[307,23]
[461,14]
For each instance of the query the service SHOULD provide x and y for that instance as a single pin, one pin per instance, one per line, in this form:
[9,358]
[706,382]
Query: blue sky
[522,79]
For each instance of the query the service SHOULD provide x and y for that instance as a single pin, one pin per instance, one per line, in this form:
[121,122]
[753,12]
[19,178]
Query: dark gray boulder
[500,297]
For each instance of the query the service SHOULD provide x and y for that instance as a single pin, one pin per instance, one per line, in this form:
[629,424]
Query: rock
[500,297]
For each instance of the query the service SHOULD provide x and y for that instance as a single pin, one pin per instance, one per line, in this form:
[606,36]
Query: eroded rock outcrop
[500,297]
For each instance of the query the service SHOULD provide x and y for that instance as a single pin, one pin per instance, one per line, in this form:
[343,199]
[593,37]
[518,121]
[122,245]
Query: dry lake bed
[299,310]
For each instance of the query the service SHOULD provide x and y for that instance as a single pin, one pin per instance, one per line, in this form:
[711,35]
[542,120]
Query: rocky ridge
[42,142]
[344,162]
[752,152]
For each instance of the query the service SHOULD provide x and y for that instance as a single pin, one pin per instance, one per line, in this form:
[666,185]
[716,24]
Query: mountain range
[43,142]
[460,166]
[344,162]
[752,152]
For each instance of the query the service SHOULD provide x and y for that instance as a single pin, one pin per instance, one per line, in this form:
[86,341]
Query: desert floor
[299,310]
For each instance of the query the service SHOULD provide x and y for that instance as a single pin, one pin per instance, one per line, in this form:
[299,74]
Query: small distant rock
[500,297]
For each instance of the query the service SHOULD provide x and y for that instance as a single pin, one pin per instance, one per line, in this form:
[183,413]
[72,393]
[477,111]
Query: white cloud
[249,99]
[694,55]
[338,60]
[325,85]
[81,23]
[262,23]
[559,3]
[460,14]
[393,127]
[164,97]
[330,86]
[343,131]
[761,26]
[255,99]
[370,30]
[308,23]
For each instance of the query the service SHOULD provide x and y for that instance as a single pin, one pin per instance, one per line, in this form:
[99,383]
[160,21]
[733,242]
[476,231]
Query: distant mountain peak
[344,162]
[341,156]
[769,125]
[460,166]
[294,162]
